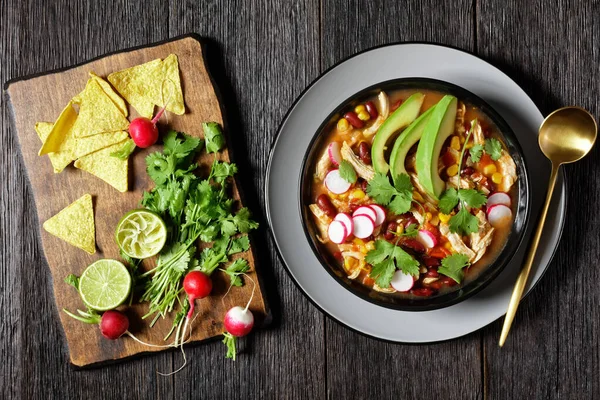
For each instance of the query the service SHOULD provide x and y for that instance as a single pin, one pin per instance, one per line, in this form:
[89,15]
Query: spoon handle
[524,274]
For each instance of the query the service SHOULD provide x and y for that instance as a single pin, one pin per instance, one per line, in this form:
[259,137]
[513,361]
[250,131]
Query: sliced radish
[402,282]
[335,183]
[499,215]
[363,226]
[380,212]
[334,153]
[498,198]
[337,232]
[368,211]
[346,220]
[427,238]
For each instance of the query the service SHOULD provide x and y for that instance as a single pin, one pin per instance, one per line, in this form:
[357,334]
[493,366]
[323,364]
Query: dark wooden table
[264,53]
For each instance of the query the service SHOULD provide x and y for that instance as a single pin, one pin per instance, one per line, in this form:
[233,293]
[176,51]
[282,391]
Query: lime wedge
[105,284]
[141,234]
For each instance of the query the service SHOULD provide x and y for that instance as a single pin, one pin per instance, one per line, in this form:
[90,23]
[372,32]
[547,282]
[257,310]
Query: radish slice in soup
[498,198]
[337,232]
[334,153]
[427,238]
[499,215]
[380,212]
[346,220]
[402,282]
[363,226]
[335,183]
[368,211]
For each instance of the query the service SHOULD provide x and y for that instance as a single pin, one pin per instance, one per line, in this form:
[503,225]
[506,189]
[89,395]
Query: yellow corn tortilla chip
[64,156]
[55,141]
[111,170]
[135,84]
[98,113]
[151,84]
[75,224]
[118,100]
[90,144]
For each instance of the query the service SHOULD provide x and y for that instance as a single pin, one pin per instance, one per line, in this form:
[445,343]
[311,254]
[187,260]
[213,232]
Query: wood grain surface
[41,98]
[263,54]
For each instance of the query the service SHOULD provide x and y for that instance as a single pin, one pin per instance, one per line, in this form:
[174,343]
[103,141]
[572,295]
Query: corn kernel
[489,169]
[358,242]
[417,196]
[455,143]
[363,250]
[364,116]
[435,220]
[428,216]
[357,194]
[399,229]
[370,245]
[469,145]
[497,178]
[444,217]
[343,195]
[462,140]
[343,125]
[359,108]
[452,170]
[448,246]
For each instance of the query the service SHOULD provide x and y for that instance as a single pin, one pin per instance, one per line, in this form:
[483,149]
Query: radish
[427,238]
[368,211]
[197,285]
[499,215]
[335,183]
[334,153]
[363,226]
[498,198]
[113,324]
[380,214]
[346,220]
[238,322]
[144,131]
[337,232]
[402,282]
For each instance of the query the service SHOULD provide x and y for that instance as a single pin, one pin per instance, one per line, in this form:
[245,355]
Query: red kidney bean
[425,292]
[468,171]
[371,109]
[410,220]
[448,281]
[414,245]
[431,261]
[325,205]
[432,273]
[364,152]
[437,285]
[353,119]
[391,227]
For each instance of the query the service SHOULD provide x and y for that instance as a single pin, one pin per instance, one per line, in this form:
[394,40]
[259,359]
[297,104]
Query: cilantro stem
[462,153]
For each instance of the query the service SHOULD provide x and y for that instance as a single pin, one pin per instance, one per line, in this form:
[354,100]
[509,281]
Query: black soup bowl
[459,292]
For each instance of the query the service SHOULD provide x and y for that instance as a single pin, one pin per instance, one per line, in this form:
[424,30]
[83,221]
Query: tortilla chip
[118,100]
[151,84]
[90,144]
[63,157]
[135,84]
[111,170]
[57,138]
[98,113]
[75,224]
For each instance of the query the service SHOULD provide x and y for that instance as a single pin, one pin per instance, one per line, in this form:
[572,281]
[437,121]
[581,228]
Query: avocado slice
[405,141]
[400,119]
[439,127]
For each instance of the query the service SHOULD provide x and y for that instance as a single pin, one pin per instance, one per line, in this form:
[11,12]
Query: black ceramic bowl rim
[516,235]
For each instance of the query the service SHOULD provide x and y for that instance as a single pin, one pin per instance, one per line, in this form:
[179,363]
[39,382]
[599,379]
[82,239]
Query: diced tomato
[439,252]
[448,159]
[484,160]
[338,256]
[368,281]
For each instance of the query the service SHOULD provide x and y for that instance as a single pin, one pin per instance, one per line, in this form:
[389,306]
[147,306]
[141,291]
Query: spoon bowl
[567,135]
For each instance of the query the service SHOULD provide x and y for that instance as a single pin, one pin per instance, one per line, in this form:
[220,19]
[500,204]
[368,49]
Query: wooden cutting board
[41,98]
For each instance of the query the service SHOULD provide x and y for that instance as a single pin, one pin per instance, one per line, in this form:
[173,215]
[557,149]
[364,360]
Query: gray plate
[283,173]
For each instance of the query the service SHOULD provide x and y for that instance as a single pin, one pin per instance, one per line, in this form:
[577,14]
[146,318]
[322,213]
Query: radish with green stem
[144,131]
[238,322]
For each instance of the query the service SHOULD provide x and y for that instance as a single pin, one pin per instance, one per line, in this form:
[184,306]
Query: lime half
[105,284]
[141,234]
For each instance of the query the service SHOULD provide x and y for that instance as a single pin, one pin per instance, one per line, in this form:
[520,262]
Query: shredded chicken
[419,217]
[465,183]
[421,189]
[355,270]
[363,170]
[481,239]
[323,165]
[341,205]
[323,222]
[508,169]
[378,288]
[384,111]
[456,241]
[459,126]
[478,137]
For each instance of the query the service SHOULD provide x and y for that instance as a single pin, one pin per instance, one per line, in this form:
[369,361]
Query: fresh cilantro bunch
[386,258]
[463,222]
[397,198]
[452,266]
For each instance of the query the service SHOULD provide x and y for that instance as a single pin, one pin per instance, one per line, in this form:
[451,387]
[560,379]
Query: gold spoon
[566,136]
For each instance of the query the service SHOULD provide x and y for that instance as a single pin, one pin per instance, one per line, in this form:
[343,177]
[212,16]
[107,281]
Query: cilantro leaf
[380,189]
[222,170]
[72,280]
[398,197]
[448,201]
[243,222]
[493,148]
[213,136]
[347,172]
[383,272]
[405,262]
[382,250]
[386,258]
[452,266]
[400,204]
[476,151]
[472,197]
[180,145]
[235,269]
[239,245]
[411,231]
[228,227]
[463,222]
[159,167]
[403,184]
[125,151]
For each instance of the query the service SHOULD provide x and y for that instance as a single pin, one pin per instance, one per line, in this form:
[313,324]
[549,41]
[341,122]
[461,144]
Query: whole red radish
[144,131]
[197,285]
[113,324]
[238,321]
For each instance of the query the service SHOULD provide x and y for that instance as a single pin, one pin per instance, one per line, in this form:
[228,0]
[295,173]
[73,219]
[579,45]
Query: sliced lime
[105,284]
[141,234]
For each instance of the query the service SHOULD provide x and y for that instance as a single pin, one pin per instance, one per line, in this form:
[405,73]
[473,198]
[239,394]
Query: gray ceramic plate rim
[317,100]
